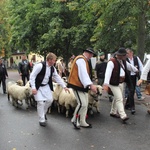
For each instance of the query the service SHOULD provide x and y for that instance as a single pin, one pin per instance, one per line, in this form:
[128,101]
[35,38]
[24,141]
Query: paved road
[19,130]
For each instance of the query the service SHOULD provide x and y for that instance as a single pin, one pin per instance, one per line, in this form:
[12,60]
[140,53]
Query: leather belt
[43,84]
[121,79]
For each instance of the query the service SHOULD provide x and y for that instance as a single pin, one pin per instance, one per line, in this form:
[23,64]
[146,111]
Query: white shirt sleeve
[140,64]
[58,79]
[145,70]
[130,67]
[108,73]
[82,73]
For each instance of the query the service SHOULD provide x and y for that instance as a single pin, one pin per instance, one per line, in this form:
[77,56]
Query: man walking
[79,80]
[41,84]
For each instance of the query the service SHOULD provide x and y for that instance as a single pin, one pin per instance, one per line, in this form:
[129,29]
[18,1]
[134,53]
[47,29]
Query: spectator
[3,75]
[24,69]
[135,61]
[100,69]
[70,63]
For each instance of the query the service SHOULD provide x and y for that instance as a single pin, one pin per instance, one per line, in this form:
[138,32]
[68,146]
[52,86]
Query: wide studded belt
[121,79]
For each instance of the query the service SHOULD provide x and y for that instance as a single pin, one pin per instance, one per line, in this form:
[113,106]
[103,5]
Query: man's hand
[34,91]
[139,82]
[105,87]
[67,90]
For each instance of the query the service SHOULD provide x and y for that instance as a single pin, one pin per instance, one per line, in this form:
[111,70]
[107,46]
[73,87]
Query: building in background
[15,58]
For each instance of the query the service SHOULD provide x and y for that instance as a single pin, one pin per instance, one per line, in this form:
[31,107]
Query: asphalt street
[20,130]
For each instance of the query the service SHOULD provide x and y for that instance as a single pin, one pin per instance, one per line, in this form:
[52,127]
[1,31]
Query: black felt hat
[121,51]
[90,50]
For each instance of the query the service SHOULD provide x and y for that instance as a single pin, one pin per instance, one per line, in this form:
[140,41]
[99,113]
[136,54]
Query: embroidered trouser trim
[81,108]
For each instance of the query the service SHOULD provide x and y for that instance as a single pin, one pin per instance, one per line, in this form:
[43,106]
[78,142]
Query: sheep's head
[95,96]
[28,91]
[19,82]
[65,79]
[99,89]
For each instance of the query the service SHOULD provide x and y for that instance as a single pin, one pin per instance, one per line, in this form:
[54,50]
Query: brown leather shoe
[148,111]
[115,115]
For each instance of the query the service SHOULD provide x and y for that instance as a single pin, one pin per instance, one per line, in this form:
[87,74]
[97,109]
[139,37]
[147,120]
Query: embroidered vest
[73,80]
[114,80]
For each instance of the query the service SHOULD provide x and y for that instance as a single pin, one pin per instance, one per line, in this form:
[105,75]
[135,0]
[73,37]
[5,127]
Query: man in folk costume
[144,76]
[41,84]
[79,80]
[115,76]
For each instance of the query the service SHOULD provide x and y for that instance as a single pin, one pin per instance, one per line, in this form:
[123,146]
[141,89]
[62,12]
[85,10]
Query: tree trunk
[141,35]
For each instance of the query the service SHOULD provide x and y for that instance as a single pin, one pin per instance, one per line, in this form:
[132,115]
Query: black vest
[41,75]
[136,64]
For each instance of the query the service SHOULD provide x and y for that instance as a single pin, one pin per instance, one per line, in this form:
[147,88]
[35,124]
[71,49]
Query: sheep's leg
[97,108]
[58,105]
[8,96]
[49,110]
[90,109]
[27,102]
[67,110]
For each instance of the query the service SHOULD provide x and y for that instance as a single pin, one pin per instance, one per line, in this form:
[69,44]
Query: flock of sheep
[63,100]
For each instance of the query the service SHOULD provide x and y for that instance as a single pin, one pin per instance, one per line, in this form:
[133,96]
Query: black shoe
[45,117]
[110,99]
[5,92]
[43,124]
[132,111]
[127,107]
[75,126]
[89,126]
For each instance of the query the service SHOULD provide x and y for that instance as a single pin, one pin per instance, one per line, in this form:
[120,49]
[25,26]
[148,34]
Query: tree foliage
[66,27]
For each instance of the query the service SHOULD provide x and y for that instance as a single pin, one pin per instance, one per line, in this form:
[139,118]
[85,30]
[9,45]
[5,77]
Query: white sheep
[18,93]
[18,82]
[64,98]
[31,98]
[94,100]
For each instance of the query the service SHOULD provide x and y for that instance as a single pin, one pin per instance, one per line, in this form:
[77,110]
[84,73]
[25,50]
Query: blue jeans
[137,90]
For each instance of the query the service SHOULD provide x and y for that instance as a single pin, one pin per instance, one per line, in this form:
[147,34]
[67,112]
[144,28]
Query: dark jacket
[3,71]
[24,67]
[101,68]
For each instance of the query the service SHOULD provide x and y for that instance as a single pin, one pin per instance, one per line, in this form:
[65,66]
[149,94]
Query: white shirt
[82,73]
[110,67]
[44,92]
[139,62]
[145,70]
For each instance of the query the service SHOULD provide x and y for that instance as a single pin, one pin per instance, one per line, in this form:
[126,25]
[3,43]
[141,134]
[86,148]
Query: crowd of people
[121,76]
